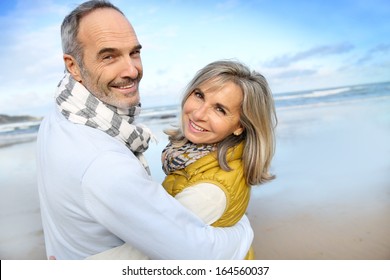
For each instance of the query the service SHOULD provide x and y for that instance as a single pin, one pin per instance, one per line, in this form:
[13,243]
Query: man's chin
[124,102]
[128,104]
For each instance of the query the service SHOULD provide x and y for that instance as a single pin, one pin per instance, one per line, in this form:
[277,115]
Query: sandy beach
[331,197]
[330,200]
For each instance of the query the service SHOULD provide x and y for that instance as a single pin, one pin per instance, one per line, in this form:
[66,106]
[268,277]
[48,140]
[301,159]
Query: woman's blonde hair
[257,116]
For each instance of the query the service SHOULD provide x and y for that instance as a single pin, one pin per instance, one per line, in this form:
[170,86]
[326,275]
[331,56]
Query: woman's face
[210,114]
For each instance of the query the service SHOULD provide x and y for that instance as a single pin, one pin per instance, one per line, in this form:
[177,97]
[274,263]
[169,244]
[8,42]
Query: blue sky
[296,45]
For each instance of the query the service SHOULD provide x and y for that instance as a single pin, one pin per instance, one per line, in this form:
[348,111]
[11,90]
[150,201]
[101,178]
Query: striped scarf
[178,158]
[79,106]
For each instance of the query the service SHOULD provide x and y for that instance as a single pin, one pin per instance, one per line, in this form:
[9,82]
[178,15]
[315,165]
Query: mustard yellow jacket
[207,170]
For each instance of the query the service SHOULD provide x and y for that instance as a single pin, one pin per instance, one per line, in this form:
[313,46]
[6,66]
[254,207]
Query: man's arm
[120,195]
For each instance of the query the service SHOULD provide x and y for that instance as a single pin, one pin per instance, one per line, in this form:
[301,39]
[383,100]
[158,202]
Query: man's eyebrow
[113,50]
[106,50]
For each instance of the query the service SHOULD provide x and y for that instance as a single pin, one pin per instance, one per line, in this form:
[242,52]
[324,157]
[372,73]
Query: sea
[26,131]
[307,98]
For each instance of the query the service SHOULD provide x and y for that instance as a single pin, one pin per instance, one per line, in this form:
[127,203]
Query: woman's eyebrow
[223,107]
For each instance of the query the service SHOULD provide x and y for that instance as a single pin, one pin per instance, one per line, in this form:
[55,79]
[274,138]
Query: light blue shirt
[96,195]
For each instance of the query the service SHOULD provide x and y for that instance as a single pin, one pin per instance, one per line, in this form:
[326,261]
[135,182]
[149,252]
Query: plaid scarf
[178,158]
[79,106]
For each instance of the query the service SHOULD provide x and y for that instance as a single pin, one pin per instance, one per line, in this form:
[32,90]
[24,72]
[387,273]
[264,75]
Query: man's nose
[129,68]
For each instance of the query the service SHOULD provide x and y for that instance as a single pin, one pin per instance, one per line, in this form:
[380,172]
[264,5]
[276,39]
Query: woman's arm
[206,200]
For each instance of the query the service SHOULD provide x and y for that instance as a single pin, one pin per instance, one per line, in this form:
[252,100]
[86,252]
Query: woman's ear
[238,131]
[72,66]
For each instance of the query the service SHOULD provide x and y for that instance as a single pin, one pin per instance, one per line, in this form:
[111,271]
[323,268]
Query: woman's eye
[221,110]
[198,94]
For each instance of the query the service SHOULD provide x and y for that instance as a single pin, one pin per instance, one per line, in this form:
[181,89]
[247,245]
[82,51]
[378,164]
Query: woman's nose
[201,112]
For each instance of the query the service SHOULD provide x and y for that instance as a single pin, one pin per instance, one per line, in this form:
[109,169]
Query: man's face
[112,66]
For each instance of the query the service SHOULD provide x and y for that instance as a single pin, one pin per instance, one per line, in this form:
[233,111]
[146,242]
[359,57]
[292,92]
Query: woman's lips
[196,127]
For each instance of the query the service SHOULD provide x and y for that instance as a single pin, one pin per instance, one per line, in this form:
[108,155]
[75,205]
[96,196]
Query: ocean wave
[331,103]
[20,126]
[314,94]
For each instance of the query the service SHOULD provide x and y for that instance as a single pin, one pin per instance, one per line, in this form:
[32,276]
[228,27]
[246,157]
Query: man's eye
[108,57]
[136,53]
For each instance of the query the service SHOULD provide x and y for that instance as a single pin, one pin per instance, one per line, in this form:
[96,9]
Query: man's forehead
[105,20]
[107,26]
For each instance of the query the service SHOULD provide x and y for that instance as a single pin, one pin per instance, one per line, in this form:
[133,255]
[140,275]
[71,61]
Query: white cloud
[180,37]
[32,54]
[314,52]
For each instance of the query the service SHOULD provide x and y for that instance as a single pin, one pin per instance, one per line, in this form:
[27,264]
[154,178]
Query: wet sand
[21,235]
[330,200]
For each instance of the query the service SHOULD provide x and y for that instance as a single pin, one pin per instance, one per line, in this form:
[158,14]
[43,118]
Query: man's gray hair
[70,27]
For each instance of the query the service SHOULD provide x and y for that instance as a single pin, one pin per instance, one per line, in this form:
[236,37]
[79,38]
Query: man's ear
[72,66]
